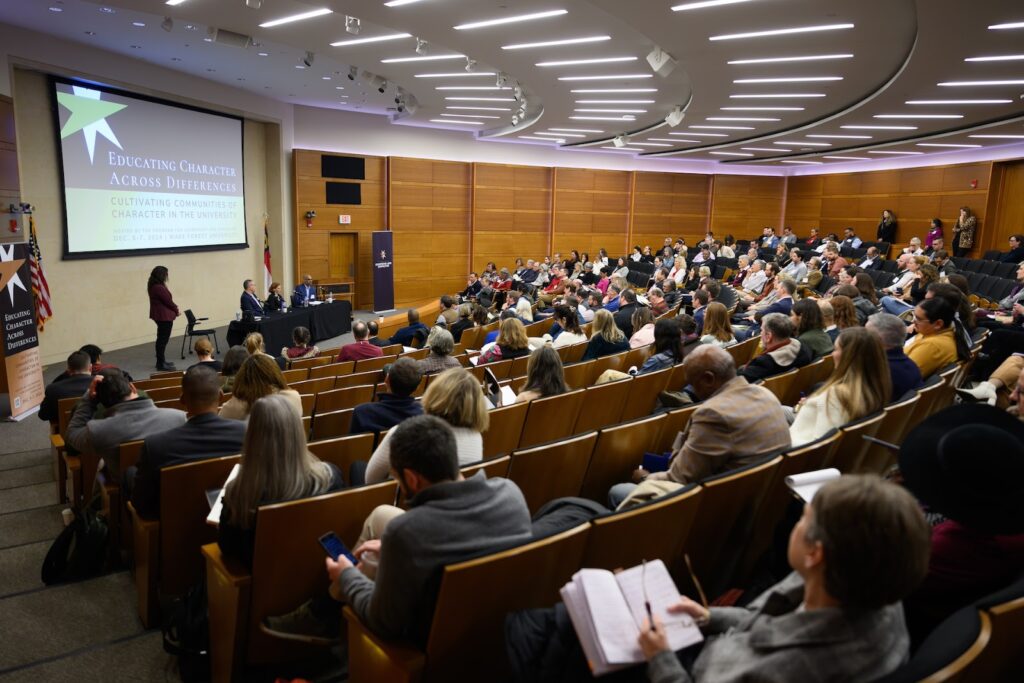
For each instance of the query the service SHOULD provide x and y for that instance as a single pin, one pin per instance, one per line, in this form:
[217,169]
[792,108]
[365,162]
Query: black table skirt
[324,322]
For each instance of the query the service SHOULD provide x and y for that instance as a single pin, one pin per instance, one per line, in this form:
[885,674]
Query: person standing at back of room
[162,311]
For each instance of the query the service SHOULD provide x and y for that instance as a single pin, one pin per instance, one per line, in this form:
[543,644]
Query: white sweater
[819,414]
[468,443]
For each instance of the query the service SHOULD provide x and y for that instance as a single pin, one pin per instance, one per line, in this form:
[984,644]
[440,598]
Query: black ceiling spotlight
[308,58]
[382,87]
[353,72]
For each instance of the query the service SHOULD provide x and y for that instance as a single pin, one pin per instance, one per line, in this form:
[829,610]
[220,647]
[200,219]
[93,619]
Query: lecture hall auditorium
[723,420]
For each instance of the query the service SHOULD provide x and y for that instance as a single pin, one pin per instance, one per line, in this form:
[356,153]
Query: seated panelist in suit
[305,292]
[250,303]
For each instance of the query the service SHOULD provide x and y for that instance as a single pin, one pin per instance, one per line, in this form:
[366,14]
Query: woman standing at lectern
[162,311]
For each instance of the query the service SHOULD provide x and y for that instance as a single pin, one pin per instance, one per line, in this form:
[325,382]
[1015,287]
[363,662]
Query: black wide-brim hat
[967,462]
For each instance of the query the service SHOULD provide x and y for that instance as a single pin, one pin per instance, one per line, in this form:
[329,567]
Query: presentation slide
[146,176]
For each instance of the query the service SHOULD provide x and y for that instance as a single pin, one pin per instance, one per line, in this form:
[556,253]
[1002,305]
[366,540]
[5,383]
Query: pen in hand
[647,602]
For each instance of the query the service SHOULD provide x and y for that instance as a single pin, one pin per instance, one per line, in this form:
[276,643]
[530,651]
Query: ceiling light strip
[782,32]
[426,58]
[465,123]
[296,17]
[511,20]
[782,60]
[790,79]
[577,62]
[557,43]
[371,39]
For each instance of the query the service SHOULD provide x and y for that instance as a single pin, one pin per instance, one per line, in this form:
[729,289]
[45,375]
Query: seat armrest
[146,549]
[371,658]
[228,586]
[57,441]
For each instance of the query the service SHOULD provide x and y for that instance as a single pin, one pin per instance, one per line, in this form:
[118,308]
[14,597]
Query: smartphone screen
[335,548]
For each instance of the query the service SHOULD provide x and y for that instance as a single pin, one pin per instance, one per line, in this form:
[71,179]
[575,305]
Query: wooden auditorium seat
[552,470]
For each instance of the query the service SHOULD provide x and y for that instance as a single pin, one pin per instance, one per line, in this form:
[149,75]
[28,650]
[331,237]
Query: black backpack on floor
[186,632]
[80,551]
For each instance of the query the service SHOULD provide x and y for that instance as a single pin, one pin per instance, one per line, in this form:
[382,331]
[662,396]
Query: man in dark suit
[71,384]
[624,316]
[249,302]
[406,335]
[304,293]
[394,406]
[204,436]
[374,339]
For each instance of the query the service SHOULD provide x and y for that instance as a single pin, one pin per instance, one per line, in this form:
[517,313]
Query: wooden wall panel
[591,210]
[915,195]
[1006,200]
[743,205]
[311,244]
[512,213]
[668,205]
[10,183]
[431,212]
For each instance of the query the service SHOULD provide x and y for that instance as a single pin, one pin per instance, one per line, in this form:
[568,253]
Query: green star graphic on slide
[88,114]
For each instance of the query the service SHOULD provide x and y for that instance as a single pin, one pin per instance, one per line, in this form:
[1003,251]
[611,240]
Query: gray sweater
[124,422]
[446,523]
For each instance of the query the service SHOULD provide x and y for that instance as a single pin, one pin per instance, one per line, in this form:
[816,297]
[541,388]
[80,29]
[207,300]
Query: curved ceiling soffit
[639,131]
[809,125]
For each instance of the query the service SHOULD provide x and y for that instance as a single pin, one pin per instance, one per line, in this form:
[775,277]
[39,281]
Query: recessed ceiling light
[943,144]
[702,135]
[457,74]
[617,77]
[701,4]
[139,24]
[886,151]
[840,137]
[325,78]
[1012,24]
[339,87]
[798,143]
[995,58]
[300,66]
[809,163]
[762,108]
[780,60]
[399,3]
[650,144]
[958,101]
[263,54]
[90,33]
[480,99]
[623,149]
[998,137]
[738,118]
[426,58]
[615,101]
[847,158]
[111,10]
[782,31]
[511,20]
[207,39]
[732,154]
[556,43]
[613,90]
[958,84]
[575,62]
[464,123]
[879,127]
[577,130]
[789,79]
[296,17]
[722,127]
[191,27]
[762,149]
[612,111]
[625,117]
[471,116]
[452,106]
[172,3]
[918,116]
[561,135]
[539,139]
[371,39]
[776,96]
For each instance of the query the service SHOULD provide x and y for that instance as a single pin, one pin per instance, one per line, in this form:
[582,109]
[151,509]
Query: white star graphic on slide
[101,126]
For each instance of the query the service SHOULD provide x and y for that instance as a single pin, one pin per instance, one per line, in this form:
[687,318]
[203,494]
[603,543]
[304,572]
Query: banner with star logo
[23,370]
[383,271]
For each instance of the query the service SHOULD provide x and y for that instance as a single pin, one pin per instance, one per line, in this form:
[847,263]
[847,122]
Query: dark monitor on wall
[350,168]
[344,193]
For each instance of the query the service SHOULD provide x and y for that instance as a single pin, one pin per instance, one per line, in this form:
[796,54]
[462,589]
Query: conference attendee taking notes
[304,293]
[250,303]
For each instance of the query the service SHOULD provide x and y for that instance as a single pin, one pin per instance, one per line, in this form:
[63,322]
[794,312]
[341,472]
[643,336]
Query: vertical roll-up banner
[383,271]
[21,341]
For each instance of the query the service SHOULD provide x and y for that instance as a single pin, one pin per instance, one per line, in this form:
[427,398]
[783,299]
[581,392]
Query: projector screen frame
[67,255]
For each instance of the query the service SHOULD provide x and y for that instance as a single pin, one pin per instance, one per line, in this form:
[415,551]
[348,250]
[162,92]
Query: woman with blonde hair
[456,397]
[605,338]
[254,343]
[856,388]
[511,343]
[717,327]
[276,466]
[259,376]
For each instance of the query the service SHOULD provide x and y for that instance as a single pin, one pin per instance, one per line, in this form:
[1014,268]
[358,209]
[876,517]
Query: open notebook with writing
[607,610]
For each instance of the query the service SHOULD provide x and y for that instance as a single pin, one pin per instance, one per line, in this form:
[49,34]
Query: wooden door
[342,256]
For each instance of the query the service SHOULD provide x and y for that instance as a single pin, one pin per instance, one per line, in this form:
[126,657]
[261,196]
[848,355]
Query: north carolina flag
[267,279]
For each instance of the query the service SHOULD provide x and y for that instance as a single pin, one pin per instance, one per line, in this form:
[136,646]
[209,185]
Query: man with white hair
[893,333]
[904,277]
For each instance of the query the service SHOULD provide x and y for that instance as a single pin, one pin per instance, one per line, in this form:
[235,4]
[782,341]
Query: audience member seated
[828,318]
[233,359]
[624,316]
[249,302]
[996,389]
[449,519]
[360,348]
[812,239]
[811,281]
[408,335]
[935,344]
[395,404]
[768,239]
[860,547]
[374,328]
[872,260]
[72,384]
[810,328]
[717,327]
[866,293]
[904,299]
[259,376]
[276,467]
[643,323]
[656,298]
[95,354]
[1016,252]
[510,343]
[204,436]
[304,293]
[441,345]
[903,372]
[544,376]
[863,308]
[275,300]
[903,277]
[736,424]
[300,347]
[519,304]
[672,294]
[943,263]
[204,355]
[781,352]
[487,294]
[833,262]
[127,417]
[605,338]
[782,303]
[856,389]
[457,398]
[448,314]
[555,287]
[934,234]
[254,345]
[851,240]
[796,268]
[700,299]
[844,314]
[668,346]
[463,323]
[473,286]
[965,463]
[568,321]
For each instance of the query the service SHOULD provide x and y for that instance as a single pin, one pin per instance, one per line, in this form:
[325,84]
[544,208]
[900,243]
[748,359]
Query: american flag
[40,290]
[267,279]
